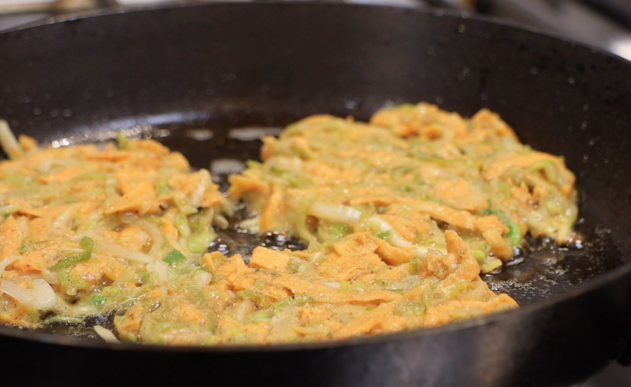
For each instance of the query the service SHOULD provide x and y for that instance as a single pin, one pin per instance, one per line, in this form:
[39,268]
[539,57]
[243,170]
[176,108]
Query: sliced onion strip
[162,271]
[7,261]
[121,252]
[334,212]
[396,239]
[106,334]
[40,296]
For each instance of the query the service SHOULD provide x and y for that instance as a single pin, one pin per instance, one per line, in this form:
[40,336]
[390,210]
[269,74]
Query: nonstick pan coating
[233,65]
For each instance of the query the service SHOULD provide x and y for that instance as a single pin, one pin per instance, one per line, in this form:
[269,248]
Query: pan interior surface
[541,270]
[197,76]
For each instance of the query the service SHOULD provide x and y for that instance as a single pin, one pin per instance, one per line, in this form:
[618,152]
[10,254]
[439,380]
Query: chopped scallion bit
[63,319]
[337,231]
[123,141]
[414,265]
[514,235]
[385,234]
[182,203]
[9,209]
[97,300]
[87,244]
[173,256]
[252,163]
[181,223]
[251,295]
[162,187]
[549,169]
[479,255]
[199,243]
[293,179]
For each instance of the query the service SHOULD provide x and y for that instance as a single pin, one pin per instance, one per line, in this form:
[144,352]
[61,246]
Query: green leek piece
[8,209]
[75,282]
[293,266]
[261,315]
[236,333]
[452,291]
[401,171]
[131,337]
[64,319]
[162,187]
[268,313]
[94,175]
[173,256]
[416,308]
[33,314]
[504,188]
[296,299]
[549,169]
[16,179]
[181,223]
[293,179]
[28,247]
[123,141]
[252,163]
[337,231]
[514,235]
[414,265]
[254,296]
[145,276]
[202,220]
[553,208]
[97,300]
[182,203]
[199,243]
[87,244]
[514,231]
[479,255]
[301,215]
[63,279]
[490,264]
[385,234]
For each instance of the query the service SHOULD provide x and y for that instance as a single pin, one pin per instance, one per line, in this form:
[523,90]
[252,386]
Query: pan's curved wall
[283,61]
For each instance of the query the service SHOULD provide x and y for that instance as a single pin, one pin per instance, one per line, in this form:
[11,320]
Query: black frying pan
[231,65]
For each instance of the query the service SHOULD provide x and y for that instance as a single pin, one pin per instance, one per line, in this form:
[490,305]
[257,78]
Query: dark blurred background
[604,24]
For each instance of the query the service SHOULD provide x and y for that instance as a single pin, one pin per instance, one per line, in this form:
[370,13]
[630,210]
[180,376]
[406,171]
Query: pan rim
[582,289]
[430,10]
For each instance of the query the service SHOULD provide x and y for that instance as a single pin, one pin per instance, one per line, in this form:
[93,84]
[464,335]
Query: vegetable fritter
[86,230]
[409,175]
[400,215]
[323,293]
